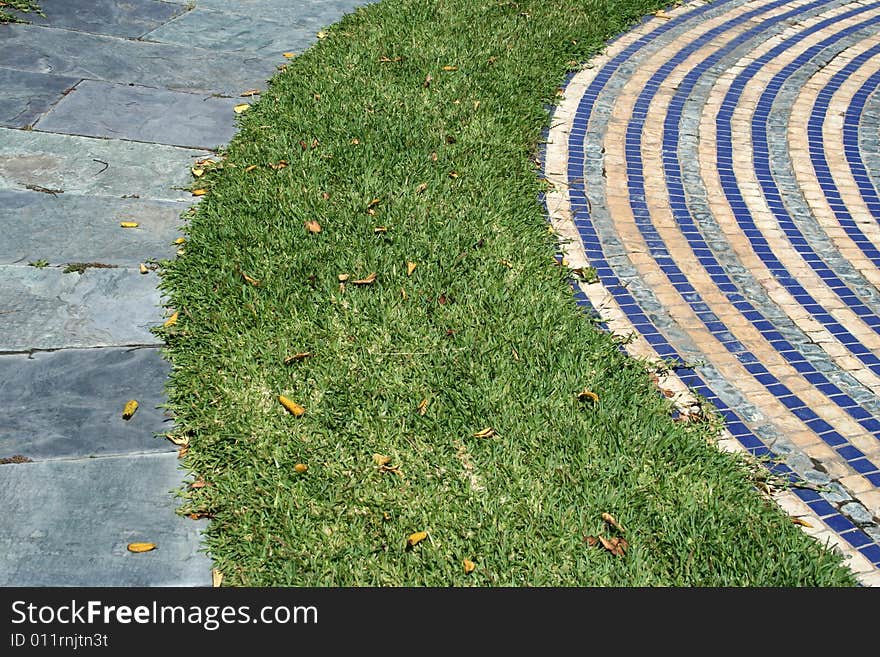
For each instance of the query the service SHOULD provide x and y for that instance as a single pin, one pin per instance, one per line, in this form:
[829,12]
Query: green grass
[485,329]
[23,6]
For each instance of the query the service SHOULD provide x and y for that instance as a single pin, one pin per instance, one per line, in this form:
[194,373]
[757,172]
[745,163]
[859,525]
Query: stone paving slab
[83,165]
[47,309]
[121,18]
[68,403]
[70,228]
[126,61]
[26,96]
[68,522]
[226,31]
[314,13]
[104,109]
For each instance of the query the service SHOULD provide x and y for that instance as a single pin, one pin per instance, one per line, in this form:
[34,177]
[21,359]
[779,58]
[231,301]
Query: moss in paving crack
[80,267]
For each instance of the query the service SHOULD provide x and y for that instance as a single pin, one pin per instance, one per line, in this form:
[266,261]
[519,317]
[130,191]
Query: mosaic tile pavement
[718,167]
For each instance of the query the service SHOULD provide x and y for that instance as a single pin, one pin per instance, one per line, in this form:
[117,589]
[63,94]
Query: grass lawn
[23,6]
[427,309]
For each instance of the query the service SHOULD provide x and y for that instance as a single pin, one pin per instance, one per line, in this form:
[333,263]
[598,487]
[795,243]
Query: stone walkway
[719,168]
[104,107]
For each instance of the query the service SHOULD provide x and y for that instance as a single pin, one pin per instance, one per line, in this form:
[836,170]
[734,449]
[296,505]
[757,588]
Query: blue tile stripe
[852,152]
[580,205]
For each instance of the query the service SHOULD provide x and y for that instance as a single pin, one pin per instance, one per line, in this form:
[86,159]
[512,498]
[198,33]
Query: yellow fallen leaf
[291,406]
[250,279]
[355,141]
[469,566]
[216,578]
[141,547]
[180,240]
[131,407]
[801,522]
[250,167]
[366,281]
[171,321]
[199,192]
[421,188]
[198,173]
[450,68]
[607,517]
[423,407]
[343,277]
[453,174]
[415,539]
[297,357]
[313,226]
[300,467]
[587,394]
[250,92]
[662,14]
[380,229]
[180,441]
[488,432]
[128,224]
[143,268]
[241,107]
[321,35]
[289,55]
[381,459]
[410,268]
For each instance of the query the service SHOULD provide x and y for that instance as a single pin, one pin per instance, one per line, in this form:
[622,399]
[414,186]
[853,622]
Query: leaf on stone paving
[180,240]
[250,92]
[141,547]
[801,522]
[289,55]
[300,467]
[607,517]
[366,281]
[616,546]
[468,565]
[199,192]
[130,409]
[423,407]
[587,395]
[216,578]
[250,167]
[143,268]
[662,14]
[198,173]
[415,539]
[410,268]
[294,408]
[297,357]
[171,321]
[241,107]
[488,432]
[313,226]
[180,441]
[450,68]
[128,224]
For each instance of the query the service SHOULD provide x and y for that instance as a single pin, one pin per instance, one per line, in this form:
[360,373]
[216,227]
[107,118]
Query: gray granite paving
[66,228]
[103,109]
[76,165]
[68,523]
[68,403]
[123,18]
[126,61]
[47,309]
[26,96]
[317,13]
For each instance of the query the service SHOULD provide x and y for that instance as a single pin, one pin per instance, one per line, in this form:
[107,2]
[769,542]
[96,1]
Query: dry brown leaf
[128,224]
[366,281]
[488,432]
[300,467]
[434,157]
[427,82]
[423,407]
[325,196]
[182,451]
[143,268]
[468,565]
[197,172]
[587,395]
[322,34]
[410,268]
[453,174]
[355,141]
[294,408]
[198,515]
[801,522]
[130,409]
[616,546]
[171,321]
[415,539]
[250,279]
[381,459]
[297,357]
[380,229]
[216,578]
[343,277]
[607,517]
[250,92]
[141,547]
[250,167]
[180,441]
[313,226]
[662,14]
[198,483]
[515,353]
[280,164]
[450,68]
[199,192]
[421,188]
[592,541]
[385,59]
[241,107]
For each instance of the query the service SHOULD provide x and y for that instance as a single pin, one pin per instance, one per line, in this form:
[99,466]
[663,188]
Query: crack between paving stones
[126,347]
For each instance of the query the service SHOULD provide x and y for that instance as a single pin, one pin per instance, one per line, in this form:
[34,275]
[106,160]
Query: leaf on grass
[250,279]
[300,467]
[199,192]
[515,353]
[322,34]
[354,141]
[468,565]
[421,188]
[241,107]
[216,578]
[294,408]
[434,156]
[410,268]
[607,517]
[592,541]
[386,60]
[180,441]
[197,172]
[198,483]
[130,409]
[453,174]
[297,357]
[488,432]
[587,395]
[343,277]
[450,68]
[380,229]
[427,82]
[171,321]
[250,92]
[141,547]
[182,451]
[616,546]
[313,226]
[415,539]
[366,281]
[801,522]
[423,407]
[250,167]
[128,224]
[662,14]
[280,164]
[381,459]
[198,515]
[180,240]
